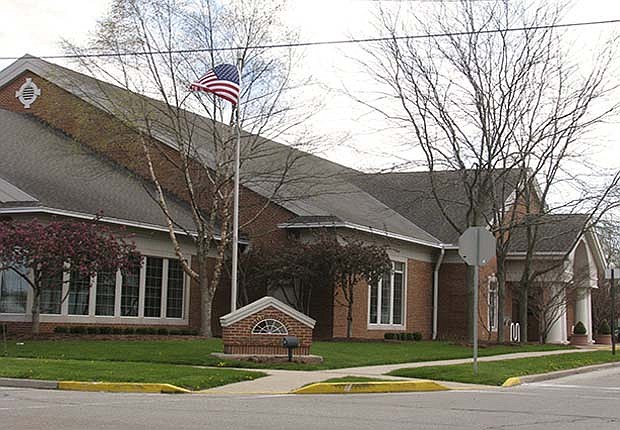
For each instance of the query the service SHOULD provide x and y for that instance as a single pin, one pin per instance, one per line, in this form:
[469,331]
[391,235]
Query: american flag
[223,81]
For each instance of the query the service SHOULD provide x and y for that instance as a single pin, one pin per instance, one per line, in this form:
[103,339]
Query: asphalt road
[576,402]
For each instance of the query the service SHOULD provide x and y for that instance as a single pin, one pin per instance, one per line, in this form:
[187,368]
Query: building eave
[366,229]
[86,216]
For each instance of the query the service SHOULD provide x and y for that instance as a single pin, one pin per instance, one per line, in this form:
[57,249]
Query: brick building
[44,107]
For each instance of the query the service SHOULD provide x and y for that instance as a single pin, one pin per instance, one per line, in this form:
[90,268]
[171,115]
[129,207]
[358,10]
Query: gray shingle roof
[410,194]
[313,186]
[556,233]
[61,174]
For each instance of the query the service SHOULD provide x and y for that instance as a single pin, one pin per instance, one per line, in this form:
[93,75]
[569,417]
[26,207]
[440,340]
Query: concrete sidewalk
[285,381]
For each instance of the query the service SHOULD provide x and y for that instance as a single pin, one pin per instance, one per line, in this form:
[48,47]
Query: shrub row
[403,336]
[78,329]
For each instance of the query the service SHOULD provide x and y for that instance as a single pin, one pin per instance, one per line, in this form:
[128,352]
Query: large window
[13,292]
[106,293]
[130,292]
[152,288]
[387,297]
[493,303]
[79,292]
[51,295]
[174,300]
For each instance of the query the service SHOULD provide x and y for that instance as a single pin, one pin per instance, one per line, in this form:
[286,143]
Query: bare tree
[495,97]
[186,140]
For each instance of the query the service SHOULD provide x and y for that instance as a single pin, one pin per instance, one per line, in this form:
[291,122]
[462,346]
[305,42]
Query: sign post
[476,247]
[612,273]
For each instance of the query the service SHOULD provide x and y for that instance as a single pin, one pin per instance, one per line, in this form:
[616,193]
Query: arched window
[269,326]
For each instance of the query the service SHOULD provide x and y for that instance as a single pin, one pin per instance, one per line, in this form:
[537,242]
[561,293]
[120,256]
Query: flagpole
[235,240]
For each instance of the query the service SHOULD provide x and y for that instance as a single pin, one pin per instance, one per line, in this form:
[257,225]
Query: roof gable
[261,304]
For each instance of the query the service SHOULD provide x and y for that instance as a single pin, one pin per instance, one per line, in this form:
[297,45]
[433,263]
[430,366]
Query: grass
[198,352]
[105,371]
[496,372]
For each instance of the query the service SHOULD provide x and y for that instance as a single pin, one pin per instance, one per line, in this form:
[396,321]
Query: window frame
[492,295]
[390,326]
[28,292]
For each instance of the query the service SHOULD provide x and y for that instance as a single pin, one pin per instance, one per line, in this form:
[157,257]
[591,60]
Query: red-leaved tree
[47,250]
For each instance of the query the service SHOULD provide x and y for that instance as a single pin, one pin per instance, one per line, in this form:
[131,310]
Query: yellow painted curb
[369,387]
[511,382]
[121,387]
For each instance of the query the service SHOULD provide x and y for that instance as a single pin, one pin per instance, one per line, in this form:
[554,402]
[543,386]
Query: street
[569,403]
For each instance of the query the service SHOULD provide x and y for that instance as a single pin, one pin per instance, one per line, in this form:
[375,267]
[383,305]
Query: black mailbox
[290,343]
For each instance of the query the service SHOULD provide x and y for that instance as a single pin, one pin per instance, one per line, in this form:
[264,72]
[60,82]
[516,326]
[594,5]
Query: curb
[121,387]
[370,387]
[518,380]
[111,387]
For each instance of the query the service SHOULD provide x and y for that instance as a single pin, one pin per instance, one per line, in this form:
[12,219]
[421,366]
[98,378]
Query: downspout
[436,290]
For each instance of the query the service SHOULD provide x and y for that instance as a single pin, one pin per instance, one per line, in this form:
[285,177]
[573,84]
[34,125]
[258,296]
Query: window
[269,326]
[51,295]
[174,301]
[13,291]
[130,291]
[79,292]
[152,289]
[106,293]
[493,299]
[386,297]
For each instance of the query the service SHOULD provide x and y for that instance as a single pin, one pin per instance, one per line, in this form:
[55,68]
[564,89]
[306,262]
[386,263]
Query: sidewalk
[285,381]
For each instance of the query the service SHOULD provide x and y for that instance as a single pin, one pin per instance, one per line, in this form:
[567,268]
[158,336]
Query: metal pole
[475,324]
[235,240]
[613,313]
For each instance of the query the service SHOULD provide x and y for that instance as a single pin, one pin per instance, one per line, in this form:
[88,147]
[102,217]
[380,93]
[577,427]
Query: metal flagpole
[235,240]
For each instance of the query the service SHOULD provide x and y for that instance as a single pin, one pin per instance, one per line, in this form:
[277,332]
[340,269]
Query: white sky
[36,27]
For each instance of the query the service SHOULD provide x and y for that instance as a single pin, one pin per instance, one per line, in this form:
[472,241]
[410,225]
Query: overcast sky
[36,26]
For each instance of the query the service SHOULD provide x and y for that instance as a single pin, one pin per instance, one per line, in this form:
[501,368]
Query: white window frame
[27,305]
[91,318]
[390,326]
[492,295]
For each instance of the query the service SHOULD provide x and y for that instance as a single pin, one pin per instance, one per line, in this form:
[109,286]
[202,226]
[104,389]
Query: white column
[582,310]
[557,332]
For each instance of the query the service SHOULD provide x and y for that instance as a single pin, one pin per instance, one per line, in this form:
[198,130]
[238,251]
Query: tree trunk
[350,321]
[523,305]
[206,301]
[36,311]
[501,298]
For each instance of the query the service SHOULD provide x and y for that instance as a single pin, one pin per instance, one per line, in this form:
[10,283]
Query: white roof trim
[81,215]
[367,229]
[261,304]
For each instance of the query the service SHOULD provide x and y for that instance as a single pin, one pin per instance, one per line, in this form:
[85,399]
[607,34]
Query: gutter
[104,219]
[436,290]
[366,229]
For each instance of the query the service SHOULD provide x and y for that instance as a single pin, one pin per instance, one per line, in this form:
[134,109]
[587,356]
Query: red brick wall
[452,312]
[418,312]
[238,337]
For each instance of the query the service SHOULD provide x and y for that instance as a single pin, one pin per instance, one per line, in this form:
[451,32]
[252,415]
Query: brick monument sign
[257,330]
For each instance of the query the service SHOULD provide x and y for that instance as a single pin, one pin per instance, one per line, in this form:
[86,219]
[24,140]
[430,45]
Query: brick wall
[238,337]
[452,312]
[418,312]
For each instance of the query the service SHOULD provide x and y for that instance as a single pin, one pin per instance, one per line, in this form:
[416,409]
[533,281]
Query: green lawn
[198,352]
[496,372]
[105,371]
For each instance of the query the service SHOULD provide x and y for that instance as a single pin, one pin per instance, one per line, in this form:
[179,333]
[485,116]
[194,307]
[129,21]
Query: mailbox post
[290,343]
[476,247]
